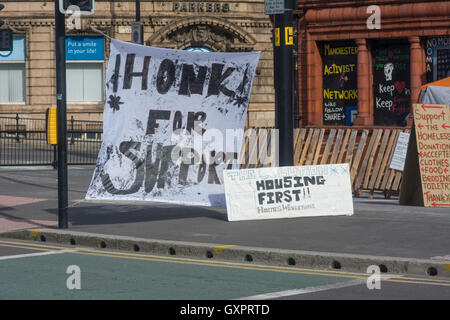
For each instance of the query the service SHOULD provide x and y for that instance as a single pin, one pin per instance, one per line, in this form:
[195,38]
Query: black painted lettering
[278,183]
[115,75]
[166,76]
[261,197]
[129,72]
[287,182]
[309,180]
[320,180]
[278,196]
[156,171]
[298,182]
[153,116]
[191,83]
[125,148]
[270,195]
[194,122]
[260,185]
[217,78]
[297,192]
[213,178]
[287,196]
[177,121]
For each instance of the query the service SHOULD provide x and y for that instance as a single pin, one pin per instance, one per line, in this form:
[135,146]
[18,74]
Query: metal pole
[138,10]
[283,70]
[138,19]
[60,35]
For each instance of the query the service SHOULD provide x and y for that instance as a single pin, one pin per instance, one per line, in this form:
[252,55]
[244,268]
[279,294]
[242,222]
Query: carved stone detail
[216,34]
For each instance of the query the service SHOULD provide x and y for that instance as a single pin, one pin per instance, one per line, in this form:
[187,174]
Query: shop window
[340,91]
[12,73]
[438,58]
[391,83]
[84,69]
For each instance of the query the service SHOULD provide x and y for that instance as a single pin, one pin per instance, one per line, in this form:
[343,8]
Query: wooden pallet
[368,153]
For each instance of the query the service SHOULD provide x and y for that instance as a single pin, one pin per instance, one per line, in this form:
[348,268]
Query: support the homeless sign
[164,115]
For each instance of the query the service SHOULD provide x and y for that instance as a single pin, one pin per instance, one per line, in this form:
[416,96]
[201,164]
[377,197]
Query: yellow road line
[268,268]
[170,259]
[23,247]
[32,244]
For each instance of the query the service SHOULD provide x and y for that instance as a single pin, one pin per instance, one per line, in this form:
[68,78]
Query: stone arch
[215,33]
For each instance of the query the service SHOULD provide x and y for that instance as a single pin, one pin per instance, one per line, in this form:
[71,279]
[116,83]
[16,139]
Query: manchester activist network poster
[166,119]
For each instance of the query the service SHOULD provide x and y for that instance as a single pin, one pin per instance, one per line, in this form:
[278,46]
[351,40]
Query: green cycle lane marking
[42,277]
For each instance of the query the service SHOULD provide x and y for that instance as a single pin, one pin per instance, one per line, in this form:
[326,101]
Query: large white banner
[288,192]
[166,117]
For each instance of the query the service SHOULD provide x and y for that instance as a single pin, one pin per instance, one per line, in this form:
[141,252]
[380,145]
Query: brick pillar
[416,68]
[315,108]
[364,117]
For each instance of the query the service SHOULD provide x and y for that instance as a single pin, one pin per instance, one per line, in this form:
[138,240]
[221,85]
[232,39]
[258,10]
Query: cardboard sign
[164,118]
[288,192]
[340,90]
[399,156]
[432,127]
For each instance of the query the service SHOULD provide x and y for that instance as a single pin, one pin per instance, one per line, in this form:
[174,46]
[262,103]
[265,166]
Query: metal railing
[23,142]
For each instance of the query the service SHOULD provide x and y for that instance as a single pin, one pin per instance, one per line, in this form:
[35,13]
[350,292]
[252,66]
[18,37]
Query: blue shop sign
[85,48]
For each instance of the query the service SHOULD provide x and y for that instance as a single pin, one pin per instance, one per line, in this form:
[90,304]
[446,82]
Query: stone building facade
[213,25]
[353,73]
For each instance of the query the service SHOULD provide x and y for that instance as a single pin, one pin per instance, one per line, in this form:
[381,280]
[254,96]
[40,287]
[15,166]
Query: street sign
[136,32]
[274,6]
[6,40]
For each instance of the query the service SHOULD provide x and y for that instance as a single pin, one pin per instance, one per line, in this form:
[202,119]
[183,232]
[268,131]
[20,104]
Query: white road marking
[27,255]
[287,293]
[292,292]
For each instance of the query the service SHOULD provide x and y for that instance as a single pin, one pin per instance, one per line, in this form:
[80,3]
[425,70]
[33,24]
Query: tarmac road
[378,227]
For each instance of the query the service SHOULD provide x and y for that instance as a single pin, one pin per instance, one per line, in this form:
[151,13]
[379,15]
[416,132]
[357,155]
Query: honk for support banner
[167,123]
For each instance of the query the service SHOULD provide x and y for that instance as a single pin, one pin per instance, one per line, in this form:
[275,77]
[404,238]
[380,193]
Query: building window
[199,49]
[84,82]
[12,73]
[84,69]
[391,82]
[438,58]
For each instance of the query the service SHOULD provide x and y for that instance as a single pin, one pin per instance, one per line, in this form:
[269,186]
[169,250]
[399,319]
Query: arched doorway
[214,34]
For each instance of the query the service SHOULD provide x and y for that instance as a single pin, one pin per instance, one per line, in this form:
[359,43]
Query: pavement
[399,239]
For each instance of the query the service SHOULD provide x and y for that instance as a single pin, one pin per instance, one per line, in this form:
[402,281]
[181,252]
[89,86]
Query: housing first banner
[288,192]
[165,121]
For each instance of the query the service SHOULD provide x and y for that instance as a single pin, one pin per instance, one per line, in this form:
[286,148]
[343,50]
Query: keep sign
[288,192]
